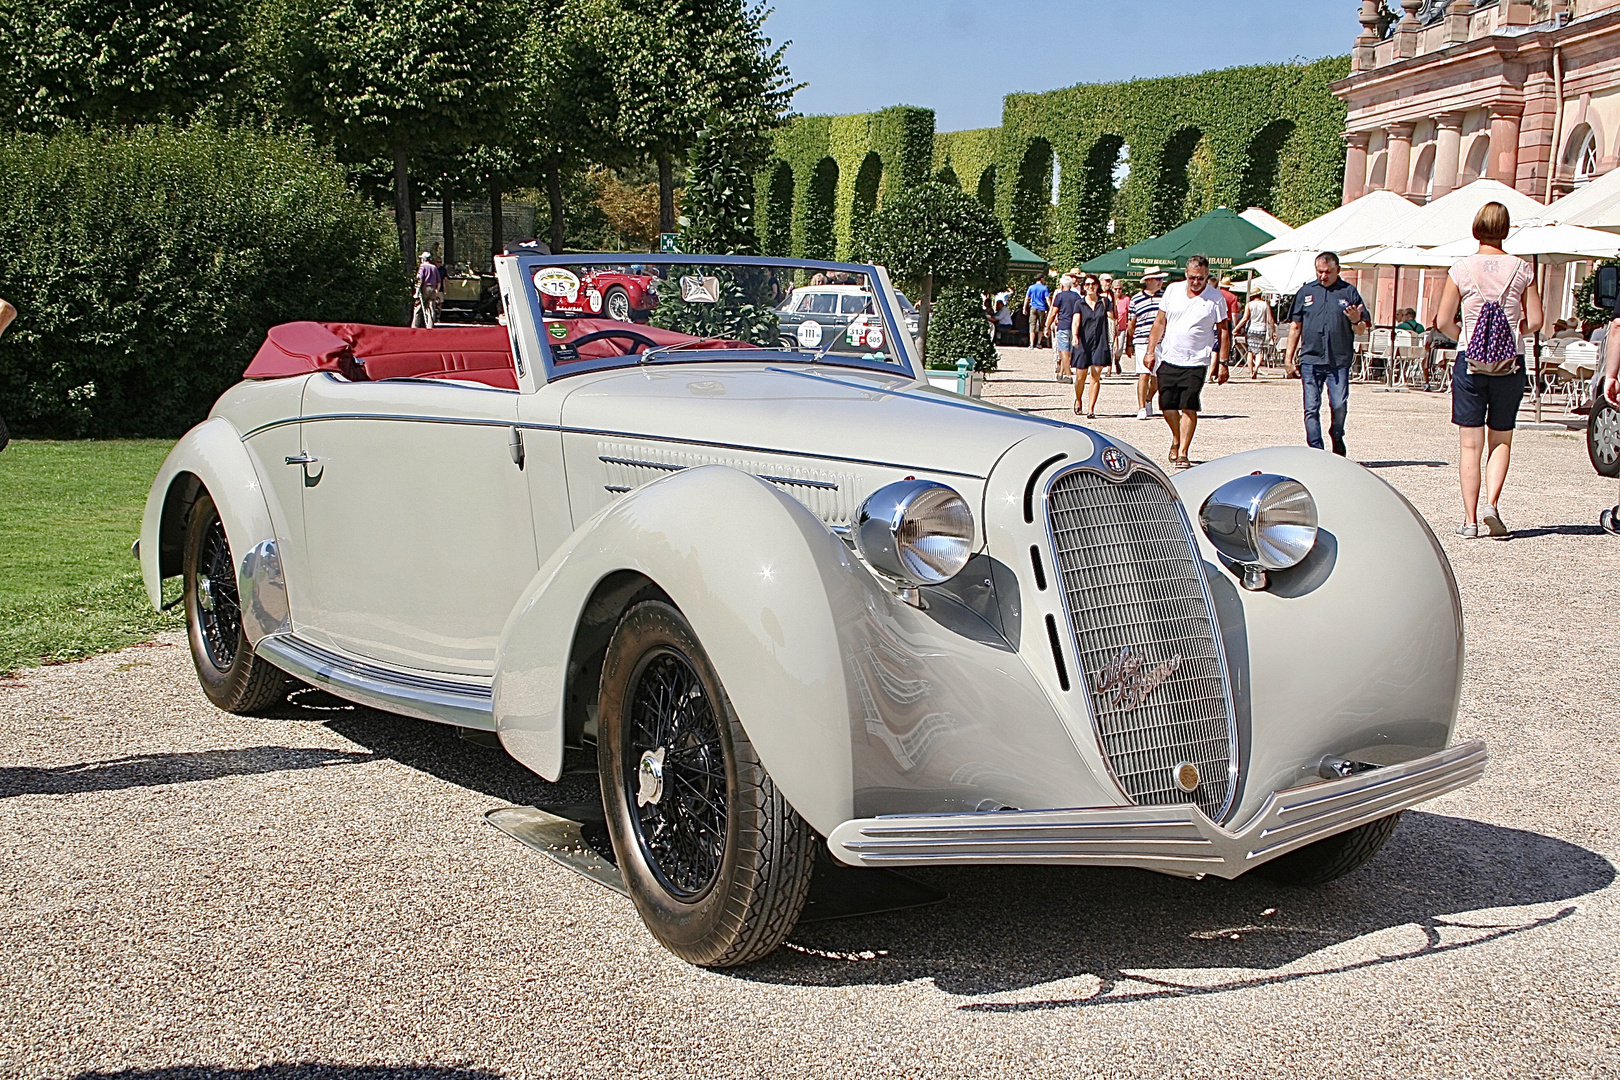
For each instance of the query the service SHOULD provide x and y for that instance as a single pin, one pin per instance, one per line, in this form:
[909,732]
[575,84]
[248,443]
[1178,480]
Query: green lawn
[68,514]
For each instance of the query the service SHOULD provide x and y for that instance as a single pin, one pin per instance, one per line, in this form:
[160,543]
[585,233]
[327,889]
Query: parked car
[813,313]
[795,597]
[618,293]
[470,298]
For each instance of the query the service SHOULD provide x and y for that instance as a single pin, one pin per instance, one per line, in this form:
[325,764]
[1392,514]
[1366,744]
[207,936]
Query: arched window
[1423,175]
[1478,154]
[1585,158]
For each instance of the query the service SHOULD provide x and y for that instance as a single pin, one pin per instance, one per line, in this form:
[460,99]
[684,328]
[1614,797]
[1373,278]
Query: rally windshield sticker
[556,281]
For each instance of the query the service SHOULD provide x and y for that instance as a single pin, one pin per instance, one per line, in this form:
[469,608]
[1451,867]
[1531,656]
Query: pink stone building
[1523,92]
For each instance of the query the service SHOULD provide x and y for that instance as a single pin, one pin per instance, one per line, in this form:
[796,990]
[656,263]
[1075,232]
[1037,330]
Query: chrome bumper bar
[1177,840]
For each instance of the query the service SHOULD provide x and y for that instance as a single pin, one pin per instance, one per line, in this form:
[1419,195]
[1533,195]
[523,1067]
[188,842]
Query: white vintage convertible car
[794,596]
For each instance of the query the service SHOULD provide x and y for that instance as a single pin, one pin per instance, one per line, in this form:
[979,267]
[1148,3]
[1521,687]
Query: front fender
[755,573]
[213,453]
[1358,651]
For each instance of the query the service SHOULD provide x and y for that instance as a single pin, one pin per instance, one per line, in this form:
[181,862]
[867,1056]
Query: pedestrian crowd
[1179,337]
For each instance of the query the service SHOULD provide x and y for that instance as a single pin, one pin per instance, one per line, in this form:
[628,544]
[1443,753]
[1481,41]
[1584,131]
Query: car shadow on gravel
[155,770]
[472,760]
[1131,934]
[306,1070]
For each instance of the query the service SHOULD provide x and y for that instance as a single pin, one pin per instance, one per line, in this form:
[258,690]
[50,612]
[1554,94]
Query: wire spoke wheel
[682,824]
[219,609]
[618,304]
[717,863]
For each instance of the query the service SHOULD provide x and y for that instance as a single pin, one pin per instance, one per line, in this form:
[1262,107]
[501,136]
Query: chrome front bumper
[1177,840]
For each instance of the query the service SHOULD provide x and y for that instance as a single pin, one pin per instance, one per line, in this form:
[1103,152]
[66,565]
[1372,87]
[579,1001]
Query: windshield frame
[888,307]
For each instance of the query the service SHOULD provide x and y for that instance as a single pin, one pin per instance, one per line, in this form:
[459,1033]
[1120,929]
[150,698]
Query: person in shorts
[1141,314]
[1035,302]
[1064,305]
[1191,335]
[1485,407]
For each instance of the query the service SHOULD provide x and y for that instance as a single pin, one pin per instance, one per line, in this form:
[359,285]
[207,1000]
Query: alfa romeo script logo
[1127,682]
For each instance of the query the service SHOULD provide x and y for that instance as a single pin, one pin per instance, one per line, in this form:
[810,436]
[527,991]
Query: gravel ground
[315,894]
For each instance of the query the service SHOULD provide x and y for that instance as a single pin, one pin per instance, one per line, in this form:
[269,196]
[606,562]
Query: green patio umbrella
[1220,235]
[1021,260]
[1114,262]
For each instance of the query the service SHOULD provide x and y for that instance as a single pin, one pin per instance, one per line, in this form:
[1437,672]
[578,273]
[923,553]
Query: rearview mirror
[1608,283]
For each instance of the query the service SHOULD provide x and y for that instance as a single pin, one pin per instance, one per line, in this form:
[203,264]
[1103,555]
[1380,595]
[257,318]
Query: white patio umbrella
[1547,243]
[1266,221]
[1595,205]
[1282,273]
[1398,255]
[1361,223]
[1451,217]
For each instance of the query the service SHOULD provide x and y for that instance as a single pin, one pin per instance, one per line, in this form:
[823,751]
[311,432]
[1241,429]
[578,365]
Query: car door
[416,519]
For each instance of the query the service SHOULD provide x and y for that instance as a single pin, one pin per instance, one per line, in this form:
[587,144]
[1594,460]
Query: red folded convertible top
[360,351]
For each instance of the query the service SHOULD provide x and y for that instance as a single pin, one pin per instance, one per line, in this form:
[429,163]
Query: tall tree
[119,62]
[395,77]
[686,60]
[719,202]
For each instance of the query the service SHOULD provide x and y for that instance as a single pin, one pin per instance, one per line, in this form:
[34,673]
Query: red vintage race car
[612,294]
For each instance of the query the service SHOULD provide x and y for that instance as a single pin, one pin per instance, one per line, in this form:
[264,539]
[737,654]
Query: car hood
[838,414]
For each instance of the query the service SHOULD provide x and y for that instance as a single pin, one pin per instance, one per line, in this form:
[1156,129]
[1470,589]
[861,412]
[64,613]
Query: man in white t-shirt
[1192,334]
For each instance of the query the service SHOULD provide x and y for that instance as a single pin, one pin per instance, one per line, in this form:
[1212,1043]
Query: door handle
[515,445]
[302,459]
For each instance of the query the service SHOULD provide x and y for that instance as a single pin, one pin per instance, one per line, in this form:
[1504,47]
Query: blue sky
[959,58]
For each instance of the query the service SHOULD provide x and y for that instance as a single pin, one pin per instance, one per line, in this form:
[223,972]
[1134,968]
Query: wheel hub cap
[1608,436]
[650,778]
[205,594]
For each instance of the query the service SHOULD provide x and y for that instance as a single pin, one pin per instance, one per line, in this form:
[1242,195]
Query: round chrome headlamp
[915,531]
[1263,520]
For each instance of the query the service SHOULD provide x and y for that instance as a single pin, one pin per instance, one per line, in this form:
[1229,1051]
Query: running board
[468,705]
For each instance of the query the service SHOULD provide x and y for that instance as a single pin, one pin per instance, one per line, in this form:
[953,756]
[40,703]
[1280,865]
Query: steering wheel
[597,335]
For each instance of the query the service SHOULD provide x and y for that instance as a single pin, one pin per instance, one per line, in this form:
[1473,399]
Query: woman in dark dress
[1093,353]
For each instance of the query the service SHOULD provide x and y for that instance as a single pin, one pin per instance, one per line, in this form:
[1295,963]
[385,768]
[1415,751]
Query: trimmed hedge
[1266,135]
[841,167]
[147,267]
[971,155]
[959,328]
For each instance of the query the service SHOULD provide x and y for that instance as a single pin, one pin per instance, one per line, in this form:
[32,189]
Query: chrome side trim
[1176,839]
[407,693]
[603,433]
[263,592]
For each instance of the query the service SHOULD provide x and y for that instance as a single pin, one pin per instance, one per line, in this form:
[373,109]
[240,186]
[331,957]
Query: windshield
[663,310]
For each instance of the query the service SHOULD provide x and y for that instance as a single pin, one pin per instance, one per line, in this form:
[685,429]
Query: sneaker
[1491,521]
[1468,531]
[1141,414]
[1609,520]
[1339,448]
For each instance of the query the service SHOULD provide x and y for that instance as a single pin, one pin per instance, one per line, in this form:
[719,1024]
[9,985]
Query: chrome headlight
[1263,521]
[915,531]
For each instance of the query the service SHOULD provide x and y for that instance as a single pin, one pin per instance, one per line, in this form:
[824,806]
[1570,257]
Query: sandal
[1610,520]
[1175,456]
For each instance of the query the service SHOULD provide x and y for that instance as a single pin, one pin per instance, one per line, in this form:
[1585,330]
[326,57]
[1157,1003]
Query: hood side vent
[828,495]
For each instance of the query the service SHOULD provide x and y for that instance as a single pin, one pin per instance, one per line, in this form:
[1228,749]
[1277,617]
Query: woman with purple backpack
[1499,303]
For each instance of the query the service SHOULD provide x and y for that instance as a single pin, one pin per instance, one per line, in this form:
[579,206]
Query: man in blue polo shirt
[1035,311]
[1321,344]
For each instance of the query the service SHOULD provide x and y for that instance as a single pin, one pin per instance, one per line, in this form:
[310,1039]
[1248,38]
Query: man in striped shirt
[1144,310]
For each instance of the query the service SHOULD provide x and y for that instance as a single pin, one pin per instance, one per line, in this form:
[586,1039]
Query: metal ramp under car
[576,837]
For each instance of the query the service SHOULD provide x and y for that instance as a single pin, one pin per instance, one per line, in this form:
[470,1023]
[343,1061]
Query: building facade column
[1447,152]
[1504,157]
[1355,164]
[1397,157]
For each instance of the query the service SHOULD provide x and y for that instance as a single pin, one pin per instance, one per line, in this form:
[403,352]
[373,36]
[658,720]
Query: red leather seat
[480,354]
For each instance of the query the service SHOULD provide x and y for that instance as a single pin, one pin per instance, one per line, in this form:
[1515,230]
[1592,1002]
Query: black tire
[231,676]
[1321,862]
[616,304]
[1603,437]
[717,863]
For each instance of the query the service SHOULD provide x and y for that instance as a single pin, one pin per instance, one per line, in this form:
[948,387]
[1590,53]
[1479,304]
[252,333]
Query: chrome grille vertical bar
[1133,588]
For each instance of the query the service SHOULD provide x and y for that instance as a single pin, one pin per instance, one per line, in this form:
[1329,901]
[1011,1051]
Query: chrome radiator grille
[1144,635]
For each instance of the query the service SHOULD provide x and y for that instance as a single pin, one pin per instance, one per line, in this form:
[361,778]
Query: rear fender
[211,457]
[759,578]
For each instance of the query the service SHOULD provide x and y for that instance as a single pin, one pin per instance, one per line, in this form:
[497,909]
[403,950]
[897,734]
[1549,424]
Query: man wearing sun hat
[1140,316]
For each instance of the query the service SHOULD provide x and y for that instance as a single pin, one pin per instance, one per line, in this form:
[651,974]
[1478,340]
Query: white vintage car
[795,597]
